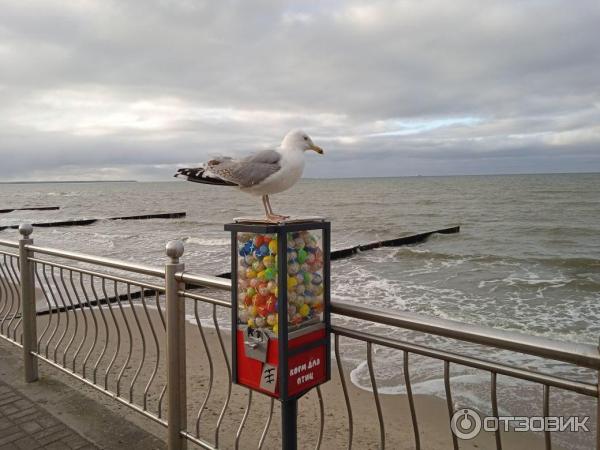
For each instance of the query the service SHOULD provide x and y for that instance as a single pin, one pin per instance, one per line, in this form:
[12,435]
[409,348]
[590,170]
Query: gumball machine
[281,310]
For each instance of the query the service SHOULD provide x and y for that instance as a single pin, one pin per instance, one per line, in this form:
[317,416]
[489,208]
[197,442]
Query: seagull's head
[299,140]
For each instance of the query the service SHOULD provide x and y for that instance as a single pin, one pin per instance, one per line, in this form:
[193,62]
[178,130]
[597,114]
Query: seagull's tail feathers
[200,175]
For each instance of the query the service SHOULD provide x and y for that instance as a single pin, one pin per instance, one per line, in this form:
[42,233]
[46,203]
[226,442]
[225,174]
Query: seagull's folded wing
[249,171]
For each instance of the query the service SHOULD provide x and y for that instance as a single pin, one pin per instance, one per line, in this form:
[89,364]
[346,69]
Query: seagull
[261,174]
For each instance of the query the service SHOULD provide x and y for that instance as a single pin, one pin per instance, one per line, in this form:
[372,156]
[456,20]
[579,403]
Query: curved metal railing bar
[226,359]
[85,319]
[210,369]
[17,278]
[411,401]
[376,395]
[265,431]
[238,433]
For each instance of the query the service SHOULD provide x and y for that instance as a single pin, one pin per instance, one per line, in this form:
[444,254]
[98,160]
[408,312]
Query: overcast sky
[105,89]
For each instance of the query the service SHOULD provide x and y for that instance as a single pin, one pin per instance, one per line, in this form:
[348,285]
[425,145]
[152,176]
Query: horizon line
[307,178]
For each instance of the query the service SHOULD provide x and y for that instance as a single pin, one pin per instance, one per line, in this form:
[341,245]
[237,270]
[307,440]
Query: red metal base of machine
[306,369]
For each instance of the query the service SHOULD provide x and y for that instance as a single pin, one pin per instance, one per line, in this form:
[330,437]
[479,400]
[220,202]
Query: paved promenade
[24,425]
[60,413]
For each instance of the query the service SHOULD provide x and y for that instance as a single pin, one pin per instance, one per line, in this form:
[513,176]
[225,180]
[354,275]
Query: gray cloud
[134,89]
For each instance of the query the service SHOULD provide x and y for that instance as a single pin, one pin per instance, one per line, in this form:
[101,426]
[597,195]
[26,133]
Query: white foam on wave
[206,241]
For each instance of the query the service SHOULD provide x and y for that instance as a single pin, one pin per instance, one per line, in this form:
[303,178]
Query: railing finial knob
[25,229]
[175,250]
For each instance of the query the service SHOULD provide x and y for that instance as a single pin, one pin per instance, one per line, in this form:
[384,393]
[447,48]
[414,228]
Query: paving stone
[10,398]
[31,427]
[12,436]
[26,426]
[24,412]
[27,443]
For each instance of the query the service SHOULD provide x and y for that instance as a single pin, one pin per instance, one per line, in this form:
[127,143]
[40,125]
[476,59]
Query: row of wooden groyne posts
[120,327]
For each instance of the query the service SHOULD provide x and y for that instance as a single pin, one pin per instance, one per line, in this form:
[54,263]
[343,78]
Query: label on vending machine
[268,378]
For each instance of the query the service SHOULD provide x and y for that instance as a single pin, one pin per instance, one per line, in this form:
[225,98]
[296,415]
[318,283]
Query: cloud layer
[108,89]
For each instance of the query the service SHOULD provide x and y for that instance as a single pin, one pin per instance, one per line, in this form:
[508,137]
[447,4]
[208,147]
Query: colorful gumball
[273,247]
[263,289]
[271,319]
[291,310]
[304,310]
[250,273]
[258,240]
[307,278]
[262,311]
[258,266]
[259,300]
[291,282]
[270,305]
[268,261]
[263,250]
[293,268]
[296,319]
[270,273]
[302,255]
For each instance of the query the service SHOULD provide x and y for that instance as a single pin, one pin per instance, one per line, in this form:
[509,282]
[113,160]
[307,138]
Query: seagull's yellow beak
[316,148]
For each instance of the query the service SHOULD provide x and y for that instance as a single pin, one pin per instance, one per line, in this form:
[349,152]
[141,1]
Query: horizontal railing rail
[580,354]
[9,244]
[128,266]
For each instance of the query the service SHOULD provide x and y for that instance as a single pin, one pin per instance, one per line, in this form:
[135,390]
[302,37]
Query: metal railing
[152,339]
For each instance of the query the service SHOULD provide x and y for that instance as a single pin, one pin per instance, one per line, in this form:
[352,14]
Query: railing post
[28,307]
[176,365]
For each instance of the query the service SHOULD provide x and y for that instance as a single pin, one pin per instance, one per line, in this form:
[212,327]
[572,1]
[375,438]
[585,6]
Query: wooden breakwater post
[397,242]
[82,222]
[32,208]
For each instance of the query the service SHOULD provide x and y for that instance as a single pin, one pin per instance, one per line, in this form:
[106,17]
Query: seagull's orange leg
[270,214]
[266,205]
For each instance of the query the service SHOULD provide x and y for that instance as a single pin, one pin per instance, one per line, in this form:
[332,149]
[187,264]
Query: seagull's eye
[306,138]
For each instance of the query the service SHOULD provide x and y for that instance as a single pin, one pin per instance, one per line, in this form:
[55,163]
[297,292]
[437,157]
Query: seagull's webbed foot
[276,218]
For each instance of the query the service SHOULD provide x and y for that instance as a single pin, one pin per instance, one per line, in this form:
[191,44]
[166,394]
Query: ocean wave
[206,241]
[424,253]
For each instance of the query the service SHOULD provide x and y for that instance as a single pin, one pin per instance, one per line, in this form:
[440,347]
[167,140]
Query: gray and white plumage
[263,173]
